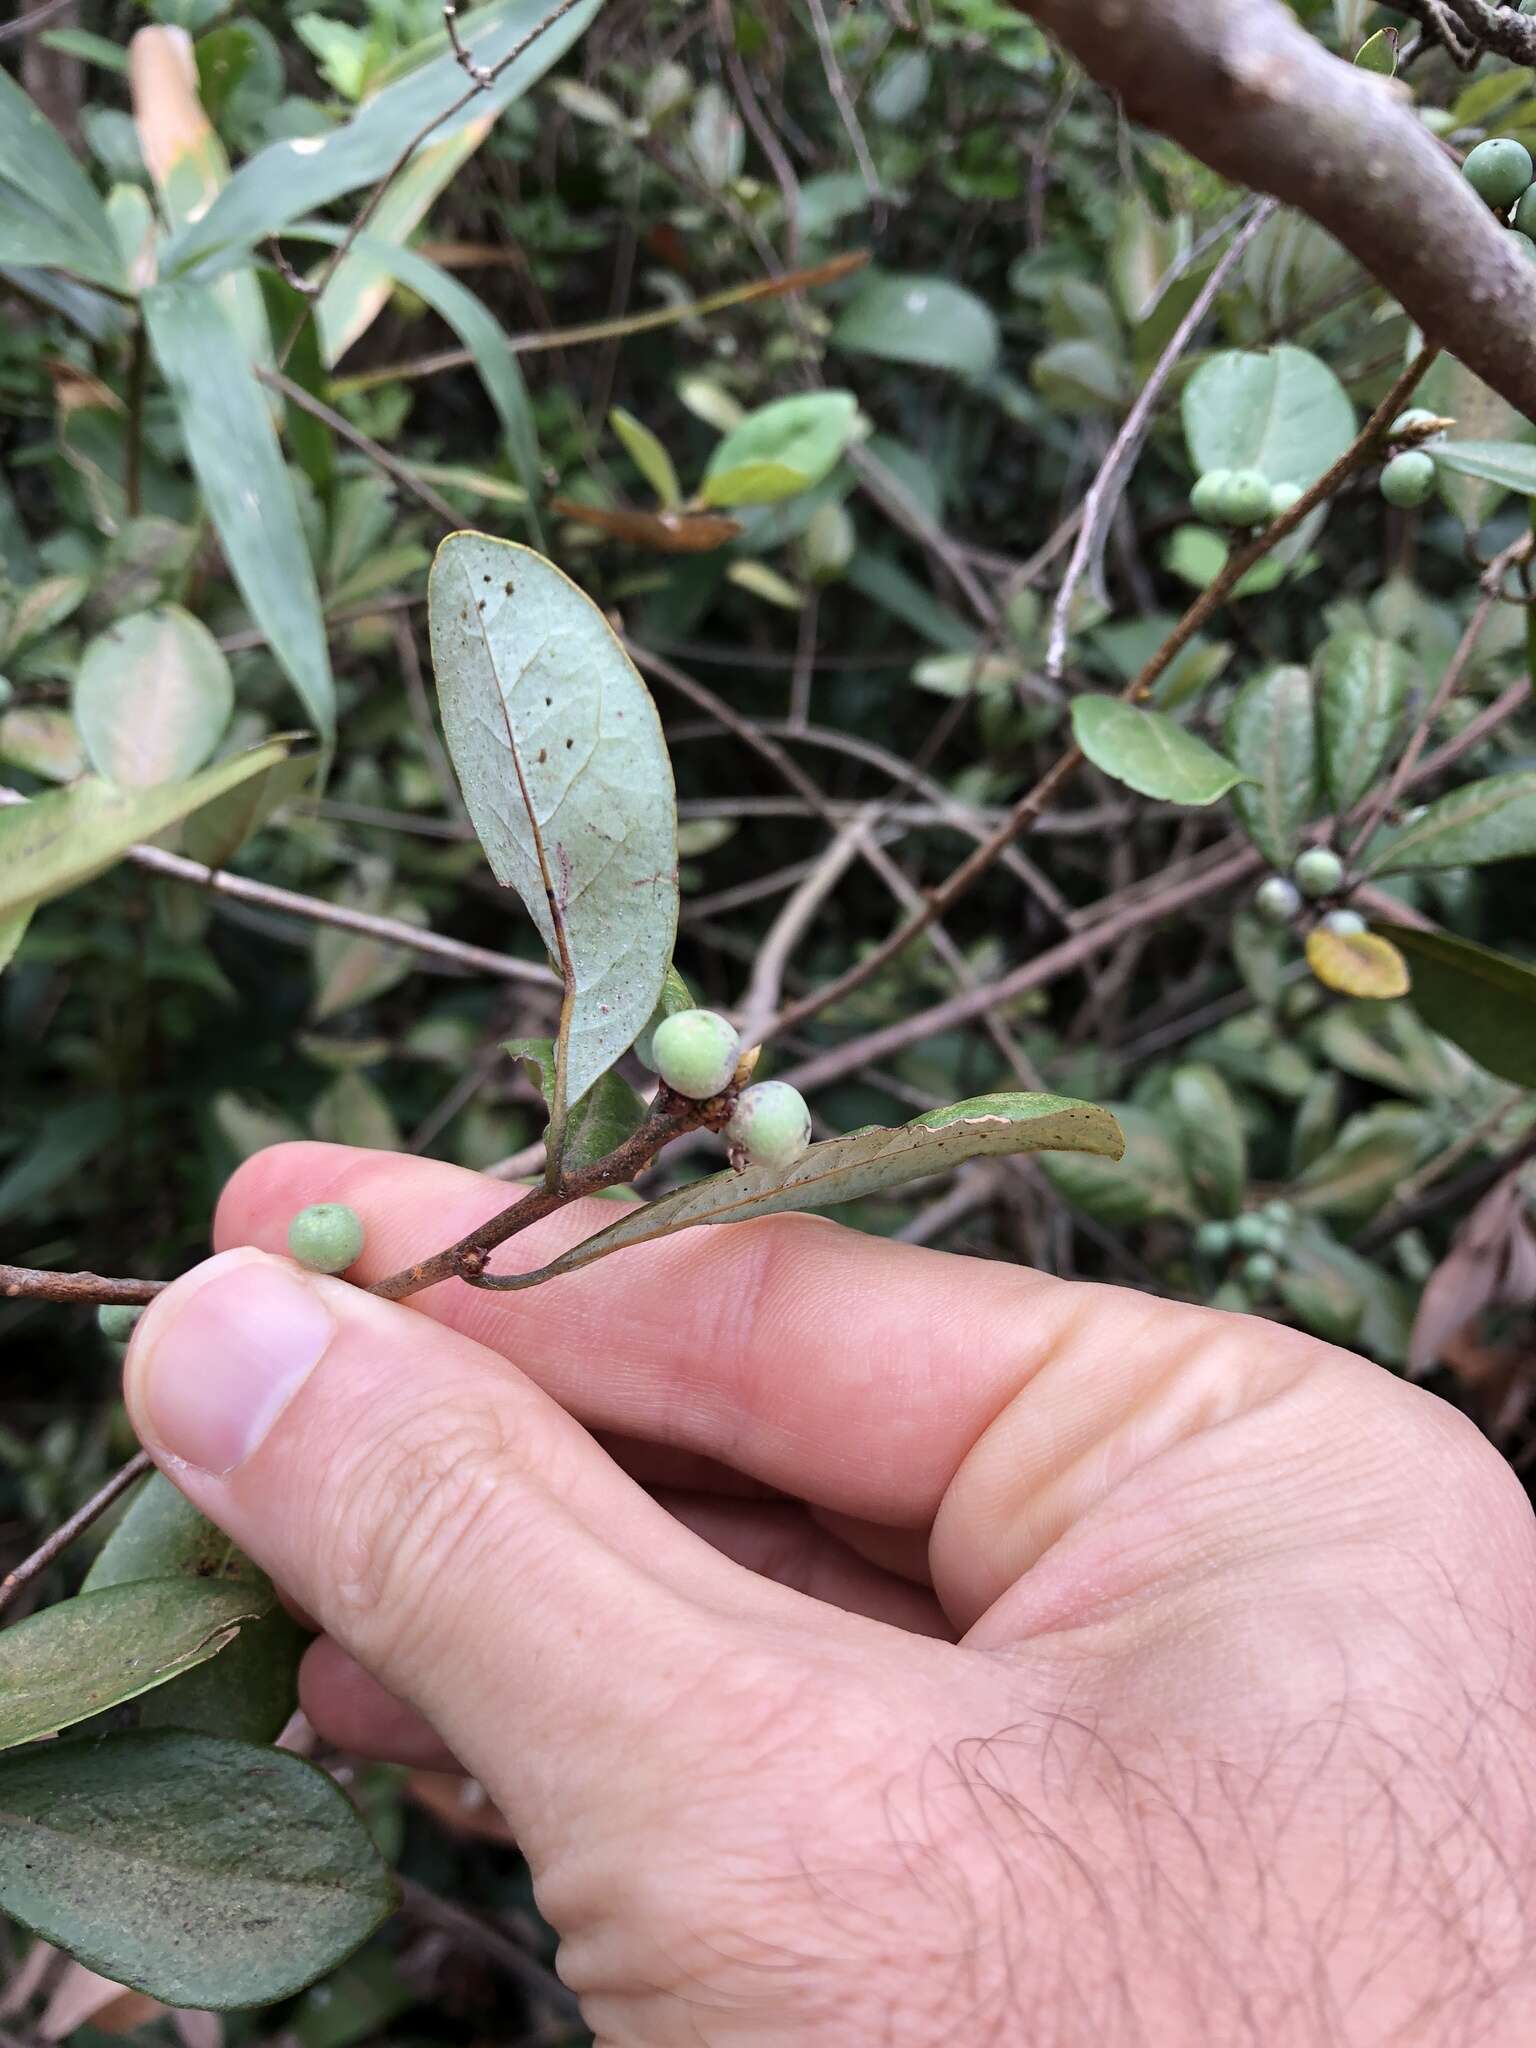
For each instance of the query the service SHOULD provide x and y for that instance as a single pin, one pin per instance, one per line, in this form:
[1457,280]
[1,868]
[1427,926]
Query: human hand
[873,1645]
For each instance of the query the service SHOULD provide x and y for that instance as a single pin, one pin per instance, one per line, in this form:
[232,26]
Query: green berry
[1347,923]
[116,1321]
[1318,871]
[1408,479]
[1499,171]
[1260,1270]
[695,1053]
[1277,900]
[1279,1212]
[770,1126]
[1520,243]
[1282,497]
[1250,1233]
[327,1237]
[1208,497]
[1406,422]
[1213,1240]
[1525,212]
[1248,498]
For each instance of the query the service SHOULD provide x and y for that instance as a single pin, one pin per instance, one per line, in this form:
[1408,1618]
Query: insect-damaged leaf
[863,1163]
[561,759]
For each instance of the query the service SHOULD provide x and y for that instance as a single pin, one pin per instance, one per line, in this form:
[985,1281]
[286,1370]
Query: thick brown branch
[1241,85]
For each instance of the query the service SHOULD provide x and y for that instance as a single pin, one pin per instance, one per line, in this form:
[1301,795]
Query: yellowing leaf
[1357,964]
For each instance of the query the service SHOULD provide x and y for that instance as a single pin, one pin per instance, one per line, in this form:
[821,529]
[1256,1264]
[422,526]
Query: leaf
[12,931]
[1150,752]
[1343,1298]
[71,1138]
[1510,463]
[1481,1000]
[1378,53]
[233,449]
[1149,1180]
[780,449]
[217,831]
[291,178]
[1082,376]
[93,1652]
[1480,823]
[1271,735]
[610,1112]
[41,608]
[43,741]
[1361,964]
[206,1872]
[152,697]
[1480,414]
[1211,1134]
[351,968]
[251,1688]
[648,456]
[1364,684]
[477,328]
[863,1163]
[1280,411]
[560,755]
[923,320]
[49,211]
[1362,1167]
[57,841]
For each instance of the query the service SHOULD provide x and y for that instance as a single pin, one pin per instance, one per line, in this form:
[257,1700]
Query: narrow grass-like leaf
[49,211]
[560,755]
[206,1872]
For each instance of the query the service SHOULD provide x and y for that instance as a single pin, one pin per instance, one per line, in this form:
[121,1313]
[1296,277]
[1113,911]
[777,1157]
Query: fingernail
[211,1369]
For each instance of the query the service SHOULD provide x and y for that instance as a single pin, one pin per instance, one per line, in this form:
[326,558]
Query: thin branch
[33,1283]
[789,927]
[345,431]
[1105,493]
[77,1524]
[40,17]
[838,87]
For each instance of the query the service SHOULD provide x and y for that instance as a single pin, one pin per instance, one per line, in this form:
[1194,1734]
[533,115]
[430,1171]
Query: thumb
[437,1514]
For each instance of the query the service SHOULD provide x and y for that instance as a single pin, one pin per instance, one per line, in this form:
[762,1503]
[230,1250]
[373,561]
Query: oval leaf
[1364,686]
[1482,822]
[1483,1001]
[152,697]
[208,1873]
[1357,964]
[84,1655]
[1280,411]
[1368,1160]
[1510,463]
[863,1163]
[560,755]
[1271,735]
[925,320]
[1211,1135]
[1150,752]
[648,455]
[780,449]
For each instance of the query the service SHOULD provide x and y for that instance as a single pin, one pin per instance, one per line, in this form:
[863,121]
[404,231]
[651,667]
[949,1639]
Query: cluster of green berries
[1318,872]
[696,1053]
[1261,1235]
[1241,497]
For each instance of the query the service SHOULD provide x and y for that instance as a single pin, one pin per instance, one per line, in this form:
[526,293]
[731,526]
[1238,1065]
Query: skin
[870,1645]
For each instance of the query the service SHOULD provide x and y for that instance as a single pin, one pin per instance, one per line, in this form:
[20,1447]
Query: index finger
[849,1371]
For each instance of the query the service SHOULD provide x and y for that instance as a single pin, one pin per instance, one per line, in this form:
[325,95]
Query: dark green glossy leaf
[559,752]
[84,1655]
[1364,684]
[1481,1000]
[205,1872]
[1271,735]
[1481,822]
[1150,752]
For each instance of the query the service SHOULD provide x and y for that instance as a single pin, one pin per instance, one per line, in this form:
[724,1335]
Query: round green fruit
[1525,212]
[695,1053]
[1250,1233]
[116,1321]
[327,1237]
[770,1126]
[1208,497]
[1348,924]
[1279,1212]
[1213,1240]
[1248,498]
[1520,243]
[1260,1270]
[1318,871]
[1277,900]
[1282,497]
[1408,479]
[1499,171]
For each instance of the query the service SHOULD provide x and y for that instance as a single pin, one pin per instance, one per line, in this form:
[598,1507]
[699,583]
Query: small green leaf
[1378,53]
[1481,822]
[1271,735]
[780,449]
[1510,463]
[863,1163]
[206,1872]
[1364,686]
[1483,1001]
[1211,1134]
[923,320]
[609,1113]
[1151,753]
[85,1655]
[1363,1167]
[40,608]
[57,841]
[152,697]
[1280,411]
[559,752]
[648,456]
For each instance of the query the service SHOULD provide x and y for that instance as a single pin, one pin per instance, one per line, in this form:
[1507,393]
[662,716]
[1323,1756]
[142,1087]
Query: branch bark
[1242,86]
